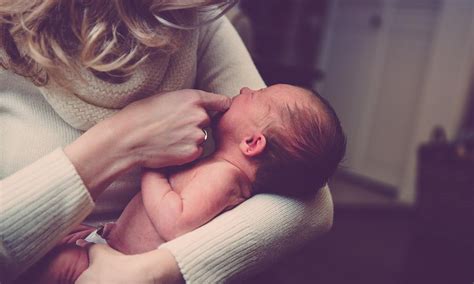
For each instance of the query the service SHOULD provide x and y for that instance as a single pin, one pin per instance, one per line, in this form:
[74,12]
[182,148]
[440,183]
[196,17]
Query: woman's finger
[192,152]
[214,102]
[205,121]
[199,151]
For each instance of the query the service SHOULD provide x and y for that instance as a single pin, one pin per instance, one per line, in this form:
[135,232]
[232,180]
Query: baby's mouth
[234,97]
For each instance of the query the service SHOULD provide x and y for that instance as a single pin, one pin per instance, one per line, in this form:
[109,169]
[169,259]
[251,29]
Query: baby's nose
[245,90]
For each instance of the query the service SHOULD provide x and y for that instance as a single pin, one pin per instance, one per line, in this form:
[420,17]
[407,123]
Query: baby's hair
[303,151]
[109,37]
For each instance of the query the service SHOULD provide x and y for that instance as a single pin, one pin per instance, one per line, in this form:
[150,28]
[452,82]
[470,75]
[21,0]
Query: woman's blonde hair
[108,37]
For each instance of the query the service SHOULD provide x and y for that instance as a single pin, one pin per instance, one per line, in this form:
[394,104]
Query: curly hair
[113,37]
[303,151]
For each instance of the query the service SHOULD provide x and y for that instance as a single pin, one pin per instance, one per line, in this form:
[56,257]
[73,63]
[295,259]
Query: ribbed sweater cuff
[199,254]
[39,205]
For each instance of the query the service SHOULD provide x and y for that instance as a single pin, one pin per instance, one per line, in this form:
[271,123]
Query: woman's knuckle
[194,150]
[194,98]
[204,115]
[188,149]
[195,135]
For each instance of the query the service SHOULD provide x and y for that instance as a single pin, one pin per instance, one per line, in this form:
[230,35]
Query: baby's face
[252,110]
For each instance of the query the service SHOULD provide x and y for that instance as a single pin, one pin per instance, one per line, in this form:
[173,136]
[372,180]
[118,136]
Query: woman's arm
[234,245]
[109,266]
[40,204]
[147,133]
[246,239]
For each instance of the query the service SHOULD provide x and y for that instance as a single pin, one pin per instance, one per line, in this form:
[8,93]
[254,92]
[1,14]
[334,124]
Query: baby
[281,139]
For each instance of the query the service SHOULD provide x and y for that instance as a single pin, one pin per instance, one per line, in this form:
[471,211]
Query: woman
[98,113]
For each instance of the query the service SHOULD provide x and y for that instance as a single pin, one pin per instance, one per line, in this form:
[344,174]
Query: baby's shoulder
[219,171]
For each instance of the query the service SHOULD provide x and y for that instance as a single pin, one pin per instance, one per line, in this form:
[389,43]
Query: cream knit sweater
[42,197]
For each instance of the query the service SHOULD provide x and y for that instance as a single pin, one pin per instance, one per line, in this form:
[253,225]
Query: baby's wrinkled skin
[170,205]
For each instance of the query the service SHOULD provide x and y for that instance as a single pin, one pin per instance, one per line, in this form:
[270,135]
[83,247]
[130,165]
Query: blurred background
[399,74]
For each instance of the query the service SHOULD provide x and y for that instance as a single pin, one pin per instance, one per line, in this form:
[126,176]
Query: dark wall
[288,36]
[468,124]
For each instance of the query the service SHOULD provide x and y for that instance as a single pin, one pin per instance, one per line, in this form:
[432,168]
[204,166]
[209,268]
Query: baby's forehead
[297,102]
[291,94]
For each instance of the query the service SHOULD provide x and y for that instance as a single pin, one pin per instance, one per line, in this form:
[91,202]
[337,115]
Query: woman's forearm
[249,237]
[39,204]
[163,266]
[109,266]
[99,157]
[148,132]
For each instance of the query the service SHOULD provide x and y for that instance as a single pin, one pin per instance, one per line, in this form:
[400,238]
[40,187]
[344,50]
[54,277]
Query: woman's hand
[158,131]
[107,265]
[166,129]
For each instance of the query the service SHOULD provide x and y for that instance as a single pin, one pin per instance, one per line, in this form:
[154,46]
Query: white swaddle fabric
[95,238]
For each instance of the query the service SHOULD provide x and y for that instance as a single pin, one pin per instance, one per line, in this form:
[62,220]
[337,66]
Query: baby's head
[292,136]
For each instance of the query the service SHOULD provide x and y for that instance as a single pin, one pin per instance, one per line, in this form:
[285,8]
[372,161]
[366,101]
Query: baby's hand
[64,264]
[80,232]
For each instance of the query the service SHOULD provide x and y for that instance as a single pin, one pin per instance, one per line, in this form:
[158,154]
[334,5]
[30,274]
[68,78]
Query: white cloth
[95,238]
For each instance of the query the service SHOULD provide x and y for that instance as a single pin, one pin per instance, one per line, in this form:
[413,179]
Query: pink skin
[169,206]
[64,263]
[259,109]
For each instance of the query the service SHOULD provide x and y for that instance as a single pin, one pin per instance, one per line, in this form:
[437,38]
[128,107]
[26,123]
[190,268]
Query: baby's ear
[252,146]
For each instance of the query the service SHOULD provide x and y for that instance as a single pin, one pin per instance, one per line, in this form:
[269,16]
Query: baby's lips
[232,99]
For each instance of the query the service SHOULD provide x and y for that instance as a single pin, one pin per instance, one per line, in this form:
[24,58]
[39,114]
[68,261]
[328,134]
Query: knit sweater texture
[42,197]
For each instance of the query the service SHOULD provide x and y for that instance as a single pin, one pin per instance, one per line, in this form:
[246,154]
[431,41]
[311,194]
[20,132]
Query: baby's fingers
[83,243]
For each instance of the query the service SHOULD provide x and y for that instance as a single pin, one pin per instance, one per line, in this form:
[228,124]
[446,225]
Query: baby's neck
[246,168]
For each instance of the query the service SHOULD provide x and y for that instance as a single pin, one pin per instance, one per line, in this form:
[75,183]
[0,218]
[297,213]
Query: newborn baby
[281,139]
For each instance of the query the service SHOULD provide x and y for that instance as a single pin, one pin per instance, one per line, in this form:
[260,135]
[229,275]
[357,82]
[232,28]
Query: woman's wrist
[107,265]
[99,157]
[160,265]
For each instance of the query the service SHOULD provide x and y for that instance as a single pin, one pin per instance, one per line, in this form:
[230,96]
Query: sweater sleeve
[247,238]
[38,206]
[224,64]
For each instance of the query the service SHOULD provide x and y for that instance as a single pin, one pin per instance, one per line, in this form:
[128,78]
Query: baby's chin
[221,126]
[216,120]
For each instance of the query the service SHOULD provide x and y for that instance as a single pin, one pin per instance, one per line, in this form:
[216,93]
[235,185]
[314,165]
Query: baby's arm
[174,214]
[158,199]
